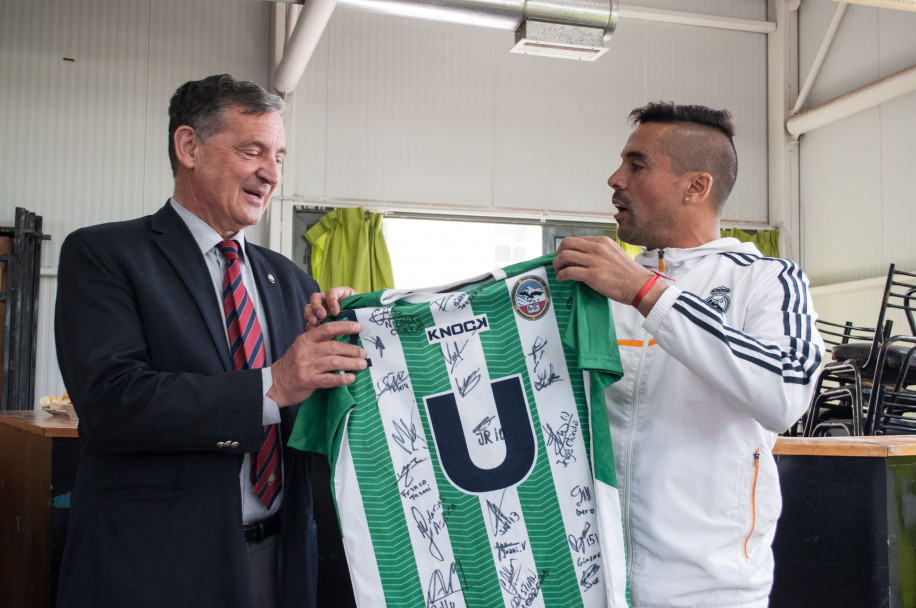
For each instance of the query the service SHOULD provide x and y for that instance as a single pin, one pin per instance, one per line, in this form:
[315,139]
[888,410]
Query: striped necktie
[246,347]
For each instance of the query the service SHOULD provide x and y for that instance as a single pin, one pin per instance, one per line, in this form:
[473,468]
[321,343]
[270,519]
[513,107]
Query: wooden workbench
[847,534]
[38,455]
[869,447]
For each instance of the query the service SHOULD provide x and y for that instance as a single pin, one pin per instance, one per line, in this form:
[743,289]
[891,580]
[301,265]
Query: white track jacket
[724,362]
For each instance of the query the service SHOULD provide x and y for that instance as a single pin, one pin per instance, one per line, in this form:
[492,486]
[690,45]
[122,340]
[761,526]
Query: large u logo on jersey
[517,432]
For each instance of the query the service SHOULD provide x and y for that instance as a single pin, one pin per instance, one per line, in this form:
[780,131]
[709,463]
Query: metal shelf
[20,260]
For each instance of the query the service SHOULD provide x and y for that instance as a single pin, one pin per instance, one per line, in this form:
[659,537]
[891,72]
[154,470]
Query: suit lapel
[176,243]
[271,293]
[179,247]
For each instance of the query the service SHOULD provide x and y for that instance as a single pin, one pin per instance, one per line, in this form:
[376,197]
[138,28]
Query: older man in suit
[183,347]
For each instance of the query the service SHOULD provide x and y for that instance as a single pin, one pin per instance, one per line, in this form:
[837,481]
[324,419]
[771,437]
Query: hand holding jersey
[601,264]
[321,305]
[313,361]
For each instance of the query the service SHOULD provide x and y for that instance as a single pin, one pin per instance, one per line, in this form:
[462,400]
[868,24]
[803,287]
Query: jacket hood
[675,257]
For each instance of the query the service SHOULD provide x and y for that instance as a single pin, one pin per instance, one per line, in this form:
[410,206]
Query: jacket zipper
[634,416]
[753,502]
[637,390]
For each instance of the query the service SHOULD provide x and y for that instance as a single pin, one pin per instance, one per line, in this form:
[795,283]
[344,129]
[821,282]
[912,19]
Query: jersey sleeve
[592,335]
[320,421]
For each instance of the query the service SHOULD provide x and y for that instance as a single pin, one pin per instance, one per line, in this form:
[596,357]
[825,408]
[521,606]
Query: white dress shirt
[207,240]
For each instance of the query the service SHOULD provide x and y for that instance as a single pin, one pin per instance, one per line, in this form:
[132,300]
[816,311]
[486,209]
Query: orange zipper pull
[753,502]
[661,260]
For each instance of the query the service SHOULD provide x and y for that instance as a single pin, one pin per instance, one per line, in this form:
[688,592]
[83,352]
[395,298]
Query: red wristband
[646,288]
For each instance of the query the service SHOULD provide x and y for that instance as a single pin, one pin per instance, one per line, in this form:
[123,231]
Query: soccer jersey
[469,467]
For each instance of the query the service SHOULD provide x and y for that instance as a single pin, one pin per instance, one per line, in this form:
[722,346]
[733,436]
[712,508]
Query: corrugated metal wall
[84,91]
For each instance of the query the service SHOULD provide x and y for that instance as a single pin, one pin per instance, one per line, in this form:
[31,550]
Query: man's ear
[700,187]
[186,146]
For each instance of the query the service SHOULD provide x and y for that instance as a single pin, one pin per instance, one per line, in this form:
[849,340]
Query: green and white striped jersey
[469,468]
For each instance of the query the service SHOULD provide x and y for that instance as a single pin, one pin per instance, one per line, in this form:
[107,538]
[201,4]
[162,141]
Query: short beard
[651,234]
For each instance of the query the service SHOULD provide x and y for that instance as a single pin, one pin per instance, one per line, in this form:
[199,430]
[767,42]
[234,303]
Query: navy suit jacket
[164,422]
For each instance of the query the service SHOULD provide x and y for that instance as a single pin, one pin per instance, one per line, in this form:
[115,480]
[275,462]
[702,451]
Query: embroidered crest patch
[719,299]
[531,297]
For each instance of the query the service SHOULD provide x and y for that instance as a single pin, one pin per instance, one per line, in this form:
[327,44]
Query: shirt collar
[204,235]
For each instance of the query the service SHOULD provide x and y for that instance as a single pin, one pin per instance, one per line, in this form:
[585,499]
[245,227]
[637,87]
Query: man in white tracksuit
[719,350]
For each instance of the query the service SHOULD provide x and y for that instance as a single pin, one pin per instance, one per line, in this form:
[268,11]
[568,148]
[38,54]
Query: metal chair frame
[867,396]
[893,402]
[892,396]
[845,396]
[849,391]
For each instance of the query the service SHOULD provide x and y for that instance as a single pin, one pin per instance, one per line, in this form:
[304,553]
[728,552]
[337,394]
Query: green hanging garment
[348,248]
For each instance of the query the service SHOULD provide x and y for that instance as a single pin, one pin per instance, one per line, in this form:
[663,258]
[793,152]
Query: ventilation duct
[559,40]
[569,29]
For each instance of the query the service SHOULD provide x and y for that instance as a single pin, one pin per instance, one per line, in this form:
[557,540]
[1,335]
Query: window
[428,253]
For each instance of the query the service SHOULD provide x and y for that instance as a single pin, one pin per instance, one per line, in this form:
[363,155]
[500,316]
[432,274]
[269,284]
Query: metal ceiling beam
[819,57]
[863,98]
[301,43]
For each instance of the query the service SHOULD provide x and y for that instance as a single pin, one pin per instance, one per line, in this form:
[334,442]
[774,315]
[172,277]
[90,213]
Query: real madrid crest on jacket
[719,299]
[469,467]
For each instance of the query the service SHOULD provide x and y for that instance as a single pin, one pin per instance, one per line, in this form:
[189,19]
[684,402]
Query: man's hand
[601,264]
[314,360]
[321,305]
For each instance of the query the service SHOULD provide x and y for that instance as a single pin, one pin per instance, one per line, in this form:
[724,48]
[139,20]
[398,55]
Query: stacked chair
[892,406]
[870,388]
[843,387]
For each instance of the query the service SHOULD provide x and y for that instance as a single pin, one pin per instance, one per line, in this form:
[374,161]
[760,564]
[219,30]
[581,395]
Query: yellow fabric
[767,241]
[348,248]
[632,250]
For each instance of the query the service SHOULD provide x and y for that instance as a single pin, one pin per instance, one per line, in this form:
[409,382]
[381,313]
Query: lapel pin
[271,279]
